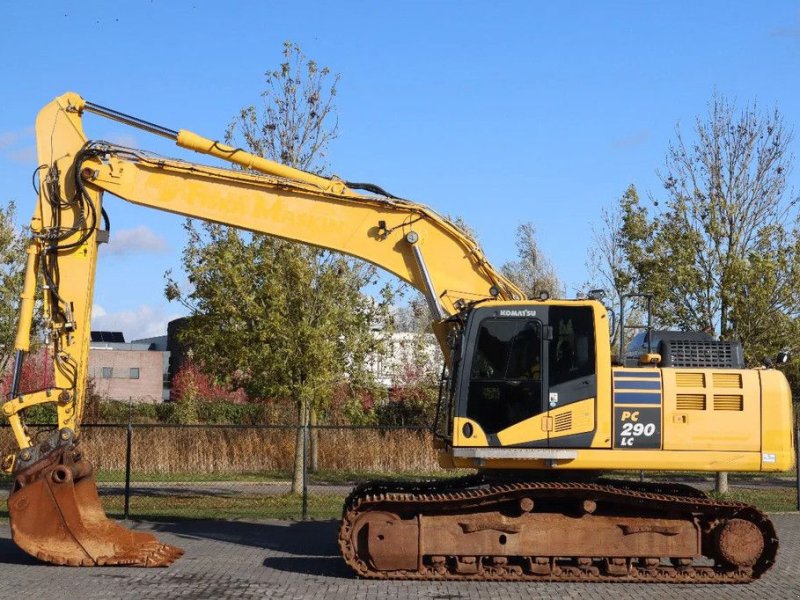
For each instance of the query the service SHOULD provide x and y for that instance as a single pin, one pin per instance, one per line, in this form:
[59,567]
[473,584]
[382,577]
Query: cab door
[570,355]
[504,384]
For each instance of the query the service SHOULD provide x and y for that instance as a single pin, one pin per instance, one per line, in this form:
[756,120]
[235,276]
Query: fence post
[305,471]
[797,464]
[126,510]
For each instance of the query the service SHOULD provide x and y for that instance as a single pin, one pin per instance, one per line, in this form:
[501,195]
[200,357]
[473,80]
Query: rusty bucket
[56,516]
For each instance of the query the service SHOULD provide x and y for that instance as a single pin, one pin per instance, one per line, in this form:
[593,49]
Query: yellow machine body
[532,385]
[642,418]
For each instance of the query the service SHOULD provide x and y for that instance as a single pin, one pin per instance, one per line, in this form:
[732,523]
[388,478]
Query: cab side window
[572,347]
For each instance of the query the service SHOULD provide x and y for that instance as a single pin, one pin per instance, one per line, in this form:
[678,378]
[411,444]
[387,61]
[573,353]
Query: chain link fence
[160,471]
[154,471]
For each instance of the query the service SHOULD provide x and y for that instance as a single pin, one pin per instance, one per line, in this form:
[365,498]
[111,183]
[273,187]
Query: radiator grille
[691,402]
[563,422]
[728,402]
[728,380]
[690,379]
[702,354]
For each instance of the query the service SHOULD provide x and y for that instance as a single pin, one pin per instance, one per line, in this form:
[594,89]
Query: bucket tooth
[56,516]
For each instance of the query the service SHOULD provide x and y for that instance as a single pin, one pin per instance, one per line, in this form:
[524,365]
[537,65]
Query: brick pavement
[291,560]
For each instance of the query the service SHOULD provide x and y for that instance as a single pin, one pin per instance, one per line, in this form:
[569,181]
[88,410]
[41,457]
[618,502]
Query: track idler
[56,514]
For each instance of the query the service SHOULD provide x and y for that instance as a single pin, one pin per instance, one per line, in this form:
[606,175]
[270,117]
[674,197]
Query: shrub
[191,383]
[412,400]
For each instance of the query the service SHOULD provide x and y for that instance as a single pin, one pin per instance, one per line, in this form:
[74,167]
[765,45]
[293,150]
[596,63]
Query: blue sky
[501,112]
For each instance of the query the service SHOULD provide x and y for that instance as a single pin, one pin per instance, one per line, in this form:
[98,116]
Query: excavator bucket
[56,516]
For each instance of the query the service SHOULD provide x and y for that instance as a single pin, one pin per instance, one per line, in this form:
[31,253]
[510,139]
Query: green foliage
[275,412]
[411,406]
[278,318]
[186,408]
[351,405]
[299,321]
[274,317]
[12,271]
[44,414]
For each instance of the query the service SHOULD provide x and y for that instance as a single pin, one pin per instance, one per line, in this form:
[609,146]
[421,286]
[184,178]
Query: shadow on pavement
[312,544]
[10,554]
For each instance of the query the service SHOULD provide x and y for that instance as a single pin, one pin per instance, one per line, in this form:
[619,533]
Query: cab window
[505,373]
[572,346]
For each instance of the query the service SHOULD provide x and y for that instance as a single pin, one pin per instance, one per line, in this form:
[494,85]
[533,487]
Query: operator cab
[516,367]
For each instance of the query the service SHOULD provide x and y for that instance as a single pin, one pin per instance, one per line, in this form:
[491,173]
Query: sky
[498,112]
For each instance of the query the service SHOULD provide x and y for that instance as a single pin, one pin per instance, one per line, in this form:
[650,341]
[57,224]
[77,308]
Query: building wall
[120,385]
[404,349]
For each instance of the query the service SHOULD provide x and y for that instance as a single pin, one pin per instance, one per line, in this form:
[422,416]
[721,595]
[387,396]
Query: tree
[278,318]
[609,267]
[532,271]
[297,119]
[12,272]
[721,237]
[721,254]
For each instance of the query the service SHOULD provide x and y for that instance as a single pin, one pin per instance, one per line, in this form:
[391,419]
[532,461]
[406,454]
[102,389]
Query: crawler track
[733,542]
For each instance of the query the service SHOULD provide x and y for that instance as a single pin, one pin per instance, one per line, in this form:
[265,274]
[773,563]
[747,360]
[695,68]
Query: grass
[767,500]
[321,477]
[284,506]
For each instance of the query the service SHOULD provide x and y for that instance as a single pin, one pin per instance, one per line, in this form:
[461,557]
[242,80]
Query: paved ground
[280,559]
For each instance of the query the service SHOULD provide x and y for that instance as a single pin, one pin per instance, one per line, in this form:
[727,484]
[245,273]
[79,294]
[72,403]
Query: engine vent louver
[728,402]
[690,379]
[728,380]
[691,402]
[562,422]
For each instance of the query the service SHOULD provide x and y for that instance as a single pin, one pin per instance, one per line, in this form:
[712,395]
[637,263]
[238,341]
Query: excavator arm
[55,496]
[404,238]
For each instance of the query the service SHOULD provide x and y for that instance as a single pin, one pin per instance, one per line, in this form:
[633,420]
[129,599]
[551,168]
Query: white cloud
[141,322]
[12,138]
[17,147]
[26,155]
[7,138]
[139,240]
[124,139]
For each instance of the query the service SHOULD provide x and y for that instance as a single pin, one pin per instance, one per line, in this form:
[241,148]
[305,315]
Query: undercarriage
[488,527]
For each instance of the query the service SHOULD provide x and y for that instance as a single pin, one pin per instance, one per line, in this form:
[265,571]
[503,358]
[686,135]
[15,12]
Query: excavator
[531,397]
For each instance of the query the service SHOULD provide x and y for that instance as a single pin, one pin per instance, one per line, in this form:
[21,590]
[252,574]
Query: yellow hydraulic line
[198,143]
[27,299]
[334,187]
